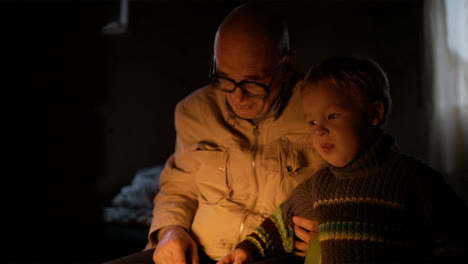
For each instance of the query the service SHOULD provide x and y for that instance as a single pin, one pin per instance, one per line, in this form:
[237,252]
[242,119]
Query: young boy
[373,203]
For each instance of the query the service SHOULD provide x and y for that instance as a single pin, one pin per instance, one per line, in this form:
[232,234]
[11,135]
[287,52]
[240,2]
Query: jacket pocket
[292,161]
[212,176]
[294,153]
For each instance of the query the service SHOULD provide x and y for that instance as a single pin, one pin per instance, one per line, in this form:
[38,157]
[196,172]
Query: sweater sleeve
[275,235]
[446,217]
[300,202]
[271,238]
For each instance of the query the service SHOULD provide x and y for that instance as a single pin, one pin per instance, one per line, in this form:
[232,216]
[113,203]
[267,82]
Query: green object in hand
[313,251]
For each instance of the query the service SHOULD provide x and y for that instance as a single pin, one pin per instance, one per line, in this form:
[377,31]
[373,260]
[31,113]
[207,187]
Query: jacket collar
[381,150]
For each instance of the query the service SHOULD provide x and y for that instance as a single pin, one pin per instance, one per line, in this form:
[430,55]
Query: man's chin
[246,114]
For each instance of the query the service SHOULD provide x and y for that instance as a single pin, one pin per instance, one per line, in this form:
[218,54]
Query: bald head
[254,29]
[252,44]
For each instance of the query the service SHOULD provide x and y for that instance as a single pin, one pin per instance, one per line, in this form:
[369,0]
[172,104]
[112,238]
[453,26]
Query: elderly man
[242,146]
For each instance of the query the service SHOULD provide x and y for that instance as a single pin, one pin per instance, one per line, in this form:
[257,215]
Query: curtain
[446,28]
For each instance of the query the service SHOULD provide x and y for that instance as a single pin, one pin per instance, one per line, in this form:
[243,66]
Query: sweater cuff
[253,253]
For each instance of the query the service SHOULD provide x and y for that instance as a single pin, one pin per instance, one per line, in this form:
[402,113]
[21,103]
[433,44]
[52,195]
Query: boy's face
[338,126]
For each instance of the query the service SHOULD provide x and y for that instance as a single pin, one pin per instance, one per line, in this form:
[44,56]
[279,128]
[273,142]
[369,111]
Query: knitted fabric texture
[384,207]
[272,237]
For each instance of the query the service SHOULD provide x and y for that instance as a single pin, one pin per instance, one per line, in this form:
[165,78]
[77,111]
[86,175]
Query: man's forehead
[246,43]
[248,49]
[248,68]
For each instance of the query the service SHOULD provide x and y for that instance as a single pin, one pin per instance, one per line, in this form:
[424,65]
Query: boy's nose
[320,130]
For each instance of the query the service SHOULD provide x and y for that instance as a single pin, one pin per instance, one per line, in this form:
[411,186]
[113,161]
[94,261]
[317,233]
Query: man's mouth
[244,106]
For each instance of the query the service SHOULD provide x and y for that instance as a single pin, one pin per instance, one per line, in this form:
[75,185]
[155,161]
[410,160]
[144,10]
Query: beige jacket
[226,174]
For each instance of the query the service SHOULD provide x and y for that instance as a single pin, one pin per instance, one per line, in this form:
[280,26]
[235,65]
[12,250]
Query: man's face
[338,126]
[241,63]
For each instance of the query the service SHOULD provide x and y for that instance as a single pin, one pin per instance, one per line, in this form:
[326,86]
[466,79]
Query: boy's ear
[377,113]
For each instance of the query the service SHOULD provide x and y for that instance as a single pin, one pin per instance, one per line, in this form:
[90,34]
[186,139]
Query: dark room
[90,89]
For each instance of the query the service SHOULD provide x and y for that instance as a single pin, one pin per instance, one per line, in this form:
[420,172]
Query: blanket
[134,202]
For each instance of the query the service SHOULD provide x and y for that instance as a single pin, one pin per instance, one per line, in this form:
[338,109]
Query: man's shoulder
[199,96]
[201,99]
[204,106]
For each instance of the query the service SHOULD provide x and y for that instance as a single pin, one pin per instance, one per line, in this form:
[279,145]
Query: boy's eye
[312,123]
[332,116]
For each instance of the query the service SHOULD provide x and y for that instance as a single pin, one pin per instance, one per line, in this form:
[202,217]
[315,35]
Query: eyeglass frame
[239,84]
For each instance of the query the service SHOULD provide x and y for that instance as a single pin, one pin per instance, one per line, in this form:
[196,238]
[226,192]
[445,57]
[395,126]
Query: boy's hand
[237,256]
[304,229]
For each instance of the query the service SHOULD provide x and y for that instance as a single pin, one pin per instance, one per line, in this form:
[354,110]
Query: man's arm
[175,246]
[177,199]
[176,202]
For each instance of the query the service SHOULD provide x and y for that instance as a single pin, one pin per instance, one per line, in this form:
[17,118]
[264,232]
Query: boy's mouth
[327,148]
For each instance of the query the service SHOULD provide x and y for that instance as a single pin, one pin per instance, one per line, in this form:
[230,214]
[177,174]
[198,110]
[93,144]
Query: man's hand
[304,229]
[237,256]
[176,246]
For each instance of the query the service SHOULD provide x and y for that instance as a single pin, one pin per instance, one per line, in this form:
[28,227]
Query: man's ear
[292,57]
[289,61]
[377,113]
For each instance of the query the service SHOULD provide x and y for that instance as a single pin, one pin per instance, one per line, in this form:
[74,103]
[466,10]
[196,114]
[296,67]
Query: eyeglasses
[249,88]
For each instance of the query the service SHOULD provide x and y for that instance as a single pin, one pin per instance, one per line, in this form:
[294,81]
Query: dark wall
[83,112]
[53,76]
[164,56]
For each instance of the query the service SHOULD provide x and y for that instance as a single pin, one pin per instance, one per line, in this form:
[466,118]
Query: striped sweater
[384,207]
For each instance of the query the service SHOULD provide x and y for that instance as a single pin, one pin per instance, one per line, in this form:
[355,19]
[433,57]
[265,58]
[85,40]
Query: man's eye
[332,116]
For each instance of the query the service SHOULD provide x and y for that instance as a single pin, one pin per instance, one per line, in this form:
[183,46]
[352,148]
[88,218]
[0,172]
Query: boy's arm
[298,212]
[276,235]
[446,218]
[272,237]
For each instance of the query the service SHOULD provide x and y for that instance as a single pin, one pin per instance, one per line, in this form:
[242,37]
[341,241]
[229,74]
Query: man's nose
[238,95]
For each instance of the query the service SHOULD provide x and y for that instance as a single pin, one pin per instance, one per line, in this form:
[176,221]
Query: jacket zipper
[256,133]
